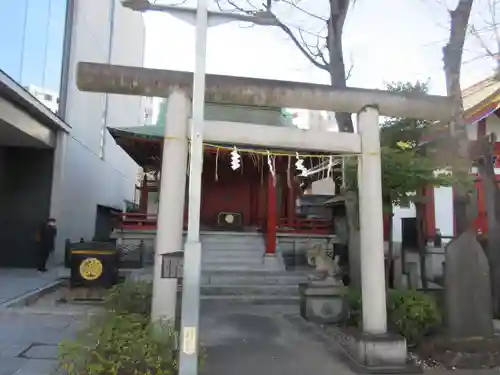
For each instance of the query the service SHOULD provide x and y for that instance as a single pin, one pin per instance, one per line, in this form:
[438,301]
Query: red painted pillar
[271,216]
[291,198]
[430,217]
[143,201]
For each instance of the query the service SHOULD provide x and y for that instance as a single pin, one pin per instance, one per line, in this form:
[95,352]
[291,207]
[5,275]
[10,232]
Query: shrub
[354,317]
[410,313]
[116,344]
[413,314]
[131,297]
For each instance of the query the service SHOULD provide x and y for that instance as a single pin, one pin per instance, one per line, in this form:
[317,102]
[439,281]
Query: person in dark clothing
[46,243]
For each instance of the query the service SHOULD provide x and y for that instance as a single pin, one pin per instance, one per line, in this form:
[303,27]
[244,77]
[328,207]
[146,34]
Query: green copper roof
[213,112]
[147,154]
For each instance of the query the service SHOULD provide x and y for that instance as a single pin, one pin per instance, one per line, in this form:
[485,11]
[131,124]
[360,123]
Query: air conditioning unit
[230,220]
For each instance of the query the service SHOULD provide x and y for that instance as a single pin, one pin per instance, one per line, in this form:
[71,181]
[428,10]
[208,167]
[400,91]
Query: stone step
[231,235]
[249,290]
[227,246]
[235,260]
[254,300]
[253,253]
[236,267]
[246,278]
[233,240]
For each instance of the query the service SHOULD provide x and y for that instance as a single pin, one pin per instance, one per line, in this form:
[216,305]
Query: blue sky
[31,37]
[386,40]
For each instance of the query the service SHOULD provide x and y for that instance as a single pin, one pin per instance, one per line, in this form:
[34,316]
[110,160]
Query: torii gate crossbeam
[127,80]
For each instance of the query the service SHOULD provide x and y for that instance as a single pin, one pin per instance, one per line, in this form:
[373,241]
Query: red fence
[141,221]
[137,221]
[307,226]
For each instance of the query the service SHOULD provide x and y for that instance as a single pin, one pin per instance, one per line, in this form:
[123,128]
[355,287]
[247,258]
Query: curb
[32,296]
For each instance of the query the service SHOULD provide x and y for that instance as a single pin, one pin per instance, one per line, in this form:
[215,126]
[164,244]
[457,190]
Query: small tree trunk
[338,12]
[458,148]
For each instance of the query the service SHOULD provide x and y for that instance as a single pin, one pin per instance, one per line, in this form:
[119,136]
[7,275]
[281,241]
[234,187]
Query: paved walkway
[29,342]
[253,340]
[238,338]
[17,282]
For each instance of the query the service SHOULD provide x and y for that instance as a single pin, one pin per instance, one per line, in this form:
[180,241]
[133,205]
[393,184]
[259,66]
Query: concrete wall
[493,124]
[443,210]
[25,188]
[127,49]
[97,172]
[399,214]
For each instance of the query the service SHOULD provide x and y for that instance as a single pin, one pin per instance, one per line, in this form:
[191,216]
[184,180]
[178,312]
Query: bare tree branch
[301,47]
[484,46]
[492,27]
[349,72]
[315,58]
[295,5]
[333,25]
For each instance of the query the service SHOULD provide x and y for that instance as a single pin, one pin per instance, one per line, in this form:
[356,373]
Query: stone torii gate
[373,347]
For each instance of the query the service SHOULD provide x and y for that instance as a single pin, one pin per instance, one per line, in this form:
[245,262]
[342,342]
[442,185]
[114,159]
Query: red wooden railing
[306,226]
[134,220]
[142,221]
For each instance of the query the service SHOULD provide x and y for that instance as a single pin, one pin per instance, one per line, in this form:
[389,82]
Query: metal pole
[188,361]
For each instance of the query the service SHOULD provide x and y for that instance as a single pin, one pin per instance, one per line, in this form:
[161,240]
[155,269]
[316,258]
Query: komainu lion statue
[327,267]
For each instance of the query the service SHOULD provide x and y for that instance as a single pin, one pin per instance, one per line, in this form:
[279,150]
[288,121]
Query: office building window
[31,40]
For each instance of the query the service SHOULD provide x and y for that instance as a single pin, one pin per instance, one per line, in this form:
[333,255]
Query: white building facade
[97,174]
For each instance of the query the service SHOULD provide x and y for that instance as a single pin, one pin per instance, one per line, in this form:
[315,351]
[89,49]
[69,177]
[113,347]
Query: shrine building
[258,195]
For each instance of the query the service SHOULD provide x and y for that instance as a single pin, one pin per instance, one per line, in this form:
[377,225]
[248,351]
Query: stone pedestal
[274,262]
[322,303]
[380,354]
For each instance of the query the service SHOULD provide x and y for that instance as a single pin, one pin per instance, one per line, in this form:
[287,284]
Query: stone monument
[467,289]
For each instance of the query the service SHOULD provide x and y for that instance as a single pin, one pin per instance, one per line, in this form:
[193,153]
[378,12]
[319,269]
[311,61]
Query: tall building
[65,165]
[50,99]
[149,111]
[314,120]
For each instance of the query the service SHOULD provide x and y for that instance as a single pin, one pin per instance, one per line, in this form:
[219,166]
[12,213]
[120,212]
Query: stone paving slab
[260,340]
[37,367]
[29,342]
[42,351]
[10,365]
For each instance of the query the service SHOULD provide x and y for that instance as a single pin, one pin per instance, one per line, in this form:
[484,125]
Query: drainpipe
[106,95]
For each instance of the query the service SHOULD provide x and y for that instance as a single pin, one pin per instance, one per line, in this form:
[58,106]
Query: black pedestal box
[93,264]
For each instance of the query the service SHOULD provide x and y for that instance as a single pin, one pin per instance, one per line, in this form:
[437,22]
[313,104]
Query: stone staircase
[233,269]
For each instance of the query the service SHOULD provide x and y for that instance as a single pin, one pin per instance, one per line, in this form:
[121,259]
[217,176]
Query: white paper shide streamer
[330,166]
[235,159]
[270,163]
[299,164]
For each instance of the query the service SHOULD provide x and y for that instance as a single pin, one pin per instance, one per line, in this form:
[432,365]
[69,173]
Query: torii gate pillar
[171,203]
[371,224]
